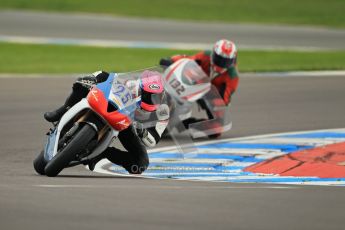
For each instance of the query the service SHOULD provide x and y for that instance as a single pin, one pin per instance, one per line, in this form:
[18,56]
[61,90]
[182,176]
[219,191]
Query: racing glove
[151,136]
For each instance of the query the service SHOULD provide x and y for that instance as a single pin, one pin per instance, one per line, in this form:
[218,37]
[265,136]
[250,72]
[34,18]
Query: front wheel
[76,144]
[40,163]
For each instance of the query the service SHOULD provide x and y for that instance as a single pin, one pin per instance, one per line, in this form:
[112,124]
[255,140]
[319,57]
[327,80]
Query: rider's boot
[212,125]
[55,115]
[77,94]
[92,163]
[192,120]
[113,154]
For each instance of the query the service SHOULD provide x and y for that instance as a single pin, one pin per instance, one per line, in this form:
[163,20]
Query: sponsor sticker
[154,86]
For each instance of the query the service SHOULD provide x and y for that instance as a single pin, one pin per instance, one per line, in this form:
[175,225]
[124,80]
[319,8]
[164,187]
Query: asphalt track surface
[79,199]
[83,26]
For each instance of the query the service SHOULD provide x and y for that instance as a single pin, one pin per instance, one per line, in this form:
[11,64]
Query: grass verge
[28,58]
[311,12]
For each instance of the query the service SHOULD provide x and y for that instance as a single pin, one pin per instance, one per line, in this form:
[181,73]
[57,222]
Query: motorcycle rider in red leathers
[220,64]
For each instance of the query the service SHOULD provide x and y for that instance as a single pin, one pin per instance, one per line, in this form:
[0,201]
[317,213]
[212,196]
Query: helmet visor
[221,61]
[151,98]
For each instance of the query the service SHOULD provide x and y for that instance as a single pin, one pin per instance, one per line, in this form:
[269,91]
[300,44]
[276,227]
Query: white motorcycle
[187,84]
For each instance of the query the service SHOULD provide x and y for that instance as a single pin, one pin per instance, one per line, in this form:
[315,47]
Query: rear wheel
[75,145]
[40,163]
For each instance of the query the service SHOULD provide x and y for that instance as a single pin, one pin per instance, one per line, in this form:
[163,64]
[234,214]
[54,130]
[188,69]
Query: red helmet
[224,54]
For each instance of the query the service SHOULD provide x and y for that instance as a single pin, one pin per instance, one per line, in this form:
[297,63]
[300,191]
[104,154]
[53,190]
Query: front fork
[100,127]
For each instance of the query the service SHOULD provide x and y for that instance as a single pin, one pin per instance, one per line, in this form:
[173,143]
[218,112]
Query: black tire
[40,163]
[77,144]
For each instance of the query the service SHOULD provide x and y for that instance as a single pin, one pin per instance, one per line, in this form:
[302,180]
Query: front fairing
[186,81]
[118,99]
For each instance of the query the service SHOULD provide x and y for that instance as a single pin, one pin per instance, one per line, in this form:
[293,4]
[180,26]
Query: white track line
[322,73]
[142,44]
[248,138]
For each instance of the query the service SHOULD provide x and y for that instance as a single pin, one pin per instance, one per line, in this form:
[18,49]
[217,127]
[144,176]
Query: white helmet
[224,54]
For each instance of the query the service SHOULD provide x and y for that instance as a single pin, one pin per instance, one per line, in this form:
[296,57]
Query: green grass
[24,58]
[311,12]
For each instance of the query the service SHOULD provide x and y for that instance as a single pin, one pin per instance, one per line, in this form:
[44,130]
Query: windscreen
[127,92]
